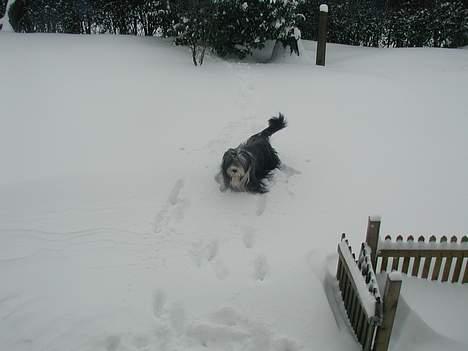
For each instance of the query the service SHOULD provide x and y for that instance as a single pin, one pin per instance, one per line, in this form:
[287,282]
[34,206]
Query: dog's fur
[246,167]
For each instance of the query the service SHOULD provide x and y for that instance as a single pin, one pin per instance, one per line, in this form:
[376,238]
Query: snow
[297,33]
[395,276]
[115,236]
[323,8]
[282,54]
[364,261]
[411,244]
[432,329]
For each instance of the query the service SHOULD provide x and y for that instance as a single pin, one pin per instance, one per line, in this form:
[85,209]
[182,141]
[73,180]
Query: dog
[248,166]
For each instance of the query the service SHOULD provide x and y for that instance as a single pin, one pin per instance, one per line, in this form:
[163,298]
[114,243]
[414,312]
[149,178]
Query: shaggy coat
[246,167]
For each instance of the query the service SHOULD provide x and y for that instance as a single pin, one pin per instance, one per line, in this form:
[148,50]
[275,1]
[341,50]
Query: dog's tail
[274,124]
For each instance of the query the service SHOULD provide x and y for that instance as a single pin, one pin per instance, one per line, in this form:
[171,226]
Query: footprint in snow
[221,271]
[227,330]
[285,344]
[173,209]
[164,335]
[112,342]
[228,316]
[261,204]
[200,252]
[175,192]
[212,250]
[248,237]
[177,317]
[159,300]
[261,268]
[141,341]
[289,171]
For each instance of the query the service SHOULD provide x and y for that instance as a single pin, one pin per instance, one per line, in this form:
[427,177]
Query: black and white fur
[246,167]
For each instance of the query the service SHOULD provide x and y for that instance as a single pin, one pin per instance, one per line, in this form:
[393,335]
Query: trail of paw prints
[247,90]
[287,173]
[244,124]
[170,320]
[173,315]
[173,210]
[247,99]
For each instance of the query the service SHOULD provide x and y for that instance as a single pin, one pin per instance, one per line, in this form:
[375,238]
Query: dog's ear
[228,157]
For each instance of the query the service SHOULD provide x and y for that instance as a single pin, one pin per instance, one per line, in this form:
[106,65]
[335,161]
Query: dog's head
[236,169]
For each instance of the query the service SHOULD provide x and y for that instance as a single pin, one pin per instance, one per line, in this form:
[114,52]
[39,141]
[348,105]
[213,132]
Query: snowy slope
[114,235]
[431,328]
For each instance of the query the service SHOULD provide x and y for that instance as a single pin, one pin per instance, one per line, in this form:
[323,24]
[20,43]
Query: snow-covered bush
[3,4]
[441,23]
[449,24]
[235,27]
[195,29]
[241,26]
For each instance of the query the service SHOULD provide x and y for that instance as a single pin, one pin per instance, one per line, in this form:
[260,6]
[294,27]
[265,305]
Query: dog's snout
[234,170]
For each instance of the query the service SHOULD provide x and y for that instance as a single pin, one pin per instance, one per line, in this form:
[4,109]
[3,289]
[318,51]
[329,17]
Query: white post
[322,36]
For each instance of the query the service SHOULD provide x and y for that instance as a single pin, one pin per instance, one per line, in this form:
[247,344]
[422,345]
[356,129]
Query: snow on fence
[427,259]
[360,292]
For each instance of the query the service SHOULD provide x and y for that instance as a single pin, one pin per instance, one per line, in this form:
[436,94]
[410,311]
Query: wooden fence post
[390,304]
[372,238]
[322,36]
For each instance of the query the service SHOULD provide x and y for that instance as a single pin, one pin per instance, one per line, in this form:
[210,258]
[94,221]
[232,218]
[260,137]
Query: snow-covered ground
[114,235]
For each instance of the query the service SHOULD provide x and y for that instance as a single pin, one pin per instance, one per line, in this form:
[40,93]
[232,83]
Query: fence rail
[427,259]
